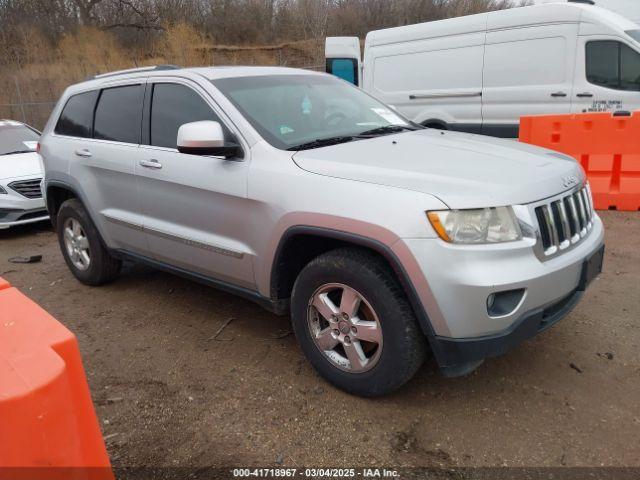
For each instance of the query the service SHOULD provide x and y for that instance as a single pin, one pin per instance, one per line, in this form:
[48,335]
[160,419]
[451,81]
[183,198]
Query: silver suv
[385,240]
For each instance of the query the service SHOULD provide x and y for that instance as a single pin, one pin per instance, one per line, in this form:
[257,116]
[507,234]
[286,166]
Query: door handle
[585,95]
[559,94]
[153,163]
[83,153]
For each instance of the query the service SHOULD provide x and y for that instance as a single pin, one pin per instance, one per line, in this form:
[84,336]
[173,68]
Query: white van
[481,73]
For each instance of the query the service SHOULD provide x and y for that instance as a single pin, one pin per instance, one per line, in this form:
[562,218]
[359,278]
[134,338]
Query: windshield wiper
[323,142]
[17,151]
[386,130]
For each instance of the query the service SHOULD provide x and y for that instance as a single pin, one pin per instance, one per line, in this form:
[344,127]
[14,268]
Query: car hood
[462,170]
[20,165]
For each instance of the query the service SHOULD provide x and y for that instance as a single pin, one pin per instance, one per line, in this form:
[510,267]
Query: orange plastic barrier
[48,426]
[607,147]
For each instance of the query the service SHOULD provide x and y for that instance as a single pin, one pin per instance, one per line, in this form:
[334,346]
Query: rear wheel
[81,245]
[354,323]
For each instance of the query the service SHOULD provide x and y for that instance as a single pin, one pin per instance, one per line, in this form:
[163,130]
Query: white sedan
[20,175]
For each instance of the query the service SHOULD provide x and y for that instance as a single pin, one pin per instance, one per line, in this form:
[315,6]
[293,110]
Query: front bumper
[460,278]
[12,218]
[16,209]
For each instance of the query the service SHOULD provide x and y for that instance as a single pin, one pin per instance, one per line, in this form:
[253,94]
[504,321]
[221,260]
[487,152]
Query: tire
[101,266]
[401,349]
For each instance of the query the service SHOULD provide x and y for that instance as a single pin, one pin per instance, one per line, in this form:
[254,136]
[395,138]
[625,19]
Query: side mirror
[206,138]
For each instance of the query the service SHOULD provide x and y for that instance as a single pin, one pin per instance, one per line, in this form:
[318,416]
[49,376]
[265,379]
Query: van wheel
[81,245]
[354,323]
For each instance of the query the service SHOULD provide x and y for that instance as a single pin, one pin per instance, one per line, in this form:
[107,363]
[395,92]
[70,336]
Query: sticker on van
[605,106]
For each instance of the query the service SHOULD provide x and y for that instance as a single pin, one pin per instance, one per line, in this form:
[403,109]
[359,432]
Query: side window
[613,65]
[603,63]
[629,69]
[344,68]
[77,115]
[119,114]
[173,105]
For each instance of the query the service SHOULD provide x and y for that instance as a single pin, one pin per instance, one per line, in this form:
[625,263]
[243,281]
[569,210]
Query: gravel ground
[168,394]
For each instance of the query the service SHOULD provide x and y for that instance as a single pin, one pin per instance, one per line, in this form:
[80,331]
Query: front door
[194,206]
[607,76]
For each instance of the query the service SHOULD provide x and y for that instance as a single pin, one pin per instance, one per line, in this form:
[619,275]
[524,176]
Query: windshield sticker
[31,145]
[307,106]
[389,116]
[285,129]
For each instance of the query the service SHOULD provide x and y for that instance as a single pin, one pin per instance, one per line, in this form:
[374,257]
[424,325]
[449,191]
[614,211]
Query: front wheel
[354,323]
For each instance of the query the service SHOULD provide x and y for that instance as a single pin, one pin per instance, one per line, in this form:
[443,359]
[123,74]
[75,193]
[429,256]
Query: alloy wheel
[345,328]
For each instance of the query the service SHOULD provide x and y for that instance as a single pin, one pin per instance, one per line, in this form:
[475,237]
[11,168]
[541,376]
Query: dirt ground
[167,394]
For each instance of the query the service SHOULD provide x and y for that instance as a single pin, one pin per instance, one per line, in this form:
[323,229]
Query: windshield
[290,111]
[17,138]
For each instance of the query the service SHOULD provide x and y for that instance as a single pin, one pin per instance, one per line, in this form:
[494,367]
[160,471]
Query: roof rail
[153,68]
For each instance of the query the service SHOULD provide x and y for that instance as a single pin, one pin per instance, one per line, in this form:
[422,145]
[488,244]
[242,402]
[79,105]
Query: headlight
[483,225]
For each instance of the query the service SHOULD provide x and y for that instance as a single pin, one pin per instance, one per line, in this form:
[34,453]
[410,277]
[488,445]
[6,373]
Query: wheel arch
[313,241]
[55,195]
[435,123]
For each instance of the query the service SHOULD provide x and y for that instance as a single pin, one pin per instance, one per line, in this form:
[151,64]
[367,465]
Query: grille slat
[582,213]
[27,188]
[575,221]
[551,225]
[565,221]
[564,218]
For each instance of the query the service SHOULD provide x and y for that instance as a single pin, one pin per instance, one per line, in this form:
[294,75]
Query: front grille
[565,221]
[27,188]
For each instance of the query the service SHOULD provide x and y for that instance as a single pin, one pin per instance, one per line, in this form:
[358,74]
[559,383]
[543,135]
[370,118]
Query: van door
[607,76]
[342,55]
[527,71]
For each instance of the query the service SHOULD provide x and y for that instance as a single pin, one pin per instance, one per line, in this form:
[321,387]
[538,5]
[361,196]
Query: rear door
[102,133]
[195,206]
[607,76]
[527,71]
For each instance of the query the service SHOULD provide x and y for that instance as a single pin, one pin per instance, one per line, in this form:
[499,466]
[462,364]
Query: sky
[626,8]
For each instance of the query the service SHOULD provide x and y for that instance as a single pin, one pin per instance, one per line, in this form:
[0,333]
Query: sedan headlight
[483,225]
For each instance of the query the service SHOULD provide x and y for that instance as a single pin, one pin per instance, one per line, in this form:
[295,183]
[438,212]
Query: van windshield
[295,112]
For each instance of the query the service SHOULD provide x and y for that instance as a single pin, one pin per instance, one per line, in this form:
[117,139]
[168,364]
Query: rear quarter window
[77,115]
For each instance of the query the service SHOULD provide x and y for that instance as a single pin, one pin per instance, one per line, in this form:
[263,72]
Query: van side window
[613,65]
[344,68]
[119,114]
[173,105]
[77,115]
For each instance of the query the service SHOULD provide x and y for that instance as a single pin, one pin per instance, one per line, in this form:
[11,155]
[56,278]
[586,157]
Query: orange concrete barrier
[606,145]
[48,426]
